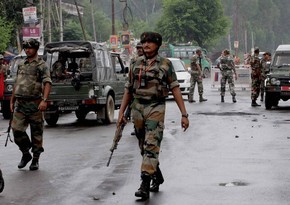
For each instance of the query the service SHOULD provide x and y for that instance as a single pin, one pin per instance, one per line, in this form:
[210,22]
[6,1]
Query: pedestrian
[255,76]
[2,75]
[140,52]
[227,67]
[264,63]
[149,81]
[1,182]
[196,77]
[28,101]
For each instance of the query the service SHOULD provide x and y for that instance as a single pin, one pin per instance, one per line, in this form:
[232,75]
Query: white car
[183,76]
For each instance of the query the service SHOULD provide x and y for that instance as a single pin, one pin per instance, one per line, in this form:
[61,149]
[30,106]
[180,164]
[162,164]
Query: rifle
[118,134]
[8,130]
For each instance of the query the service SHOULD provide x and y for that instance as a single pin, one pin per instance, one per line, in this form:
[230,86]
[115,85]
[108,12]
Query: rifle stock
[118,134]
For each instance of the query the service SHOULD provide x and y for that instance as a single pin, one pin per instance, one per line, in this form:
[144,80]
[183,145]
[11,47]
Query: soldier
[140,52]
[149,80]
[196,77]
[256,76]
[227,67]
[28,101]
[1,182]
[266,58]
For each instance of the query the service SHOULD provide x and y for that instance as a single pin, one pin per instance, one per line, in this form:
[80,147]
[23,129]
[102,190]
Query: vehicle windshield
[178,66]
[282,60]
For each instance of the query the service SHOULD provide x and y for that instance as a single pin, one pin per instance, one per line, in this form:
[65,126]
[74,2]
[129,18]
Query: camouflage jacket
[30,77]
[255,62]
[227,63]
[151,82]
[195,60]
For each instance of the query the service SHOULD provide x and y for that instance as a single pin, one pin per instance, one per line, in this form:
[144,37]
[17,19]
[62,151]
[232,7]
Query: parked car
[277,83]
[183,76]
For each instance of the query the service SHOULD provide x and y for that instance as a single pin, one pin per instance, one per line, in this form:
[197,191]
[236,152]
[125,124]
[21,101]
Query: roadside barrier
[243,81]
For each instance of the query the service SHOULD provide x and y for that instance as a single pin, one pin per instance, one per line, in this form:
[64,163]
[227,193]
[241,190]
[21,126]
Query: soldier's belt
[145,101]
[28,98]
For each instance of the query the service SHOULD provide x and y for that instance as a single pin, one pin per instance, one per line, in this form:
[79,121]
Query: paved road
[231,154]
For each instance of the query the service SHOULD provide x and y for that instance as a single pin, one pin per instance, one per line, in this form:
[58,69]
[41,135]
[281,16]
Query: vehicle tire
[109,110]
[51,118]
[206,72]
[6,109]
[268,101]
[81,114]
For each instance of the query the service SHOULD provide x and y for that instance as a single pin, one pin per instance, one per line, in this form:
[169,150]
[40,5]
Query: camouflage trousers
[227,75]
[148,119]
[195,79]
[256,85]
[22,117]
[262,87]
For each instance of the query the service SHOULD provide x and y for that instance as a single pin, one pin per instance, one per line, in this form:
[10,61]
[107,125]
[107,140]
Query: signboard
[31,32]
[236,44]
[114,41]
[125,39]
[29,14]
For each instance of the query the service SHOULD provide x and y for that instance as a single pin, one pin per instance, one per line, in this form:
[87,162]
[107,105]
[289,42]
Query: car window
[178,66]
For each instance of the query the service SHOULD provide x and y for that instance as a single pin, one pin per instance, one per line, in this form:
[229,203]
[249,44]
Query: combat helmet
[31,43]
[151,37]
[139,45]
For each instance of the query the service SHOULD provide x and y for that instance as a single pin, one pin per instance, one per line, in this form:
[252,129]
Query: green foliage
[5,32]
[72,31]
[198,21]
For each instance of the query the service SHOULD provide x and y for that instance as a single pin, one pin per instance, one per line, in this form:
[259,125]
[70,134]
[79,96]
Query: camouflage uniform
[195,77]
[227,67]
[256,76]
[28,93]
[149,85]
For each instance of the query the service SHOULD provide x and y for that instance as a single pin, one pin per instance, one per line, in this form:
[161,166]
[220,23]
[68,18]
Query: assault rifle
[118,134]
[8,130]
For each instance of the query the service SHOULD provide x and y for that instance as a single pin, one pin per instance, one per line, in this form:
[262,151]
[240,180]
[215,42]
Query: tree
[199,21]
[5,33]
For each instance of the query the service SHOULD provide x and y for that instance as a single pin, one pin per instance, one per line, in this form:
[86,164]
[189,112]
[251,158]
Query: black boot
[234,99]
[34,164]
[26,157]
[201,99]
[157,179]
[254,104]
[222,99]
[143,191]
[1,182]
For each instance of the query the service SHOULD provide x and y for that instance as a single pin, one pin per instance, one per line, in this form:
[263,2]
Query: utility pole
[60,20]
[113,17]
[41,22]
[49,20]
[93,21]
[81,22]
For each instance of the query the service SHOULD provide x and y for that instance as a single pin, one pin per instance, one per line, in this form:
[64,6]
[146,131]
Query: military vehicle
[89,82]
[277,83]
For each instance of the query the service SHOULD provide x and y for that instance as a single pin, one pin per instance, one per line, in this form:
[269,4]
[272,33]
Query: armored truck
[277,83]
[86,77]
